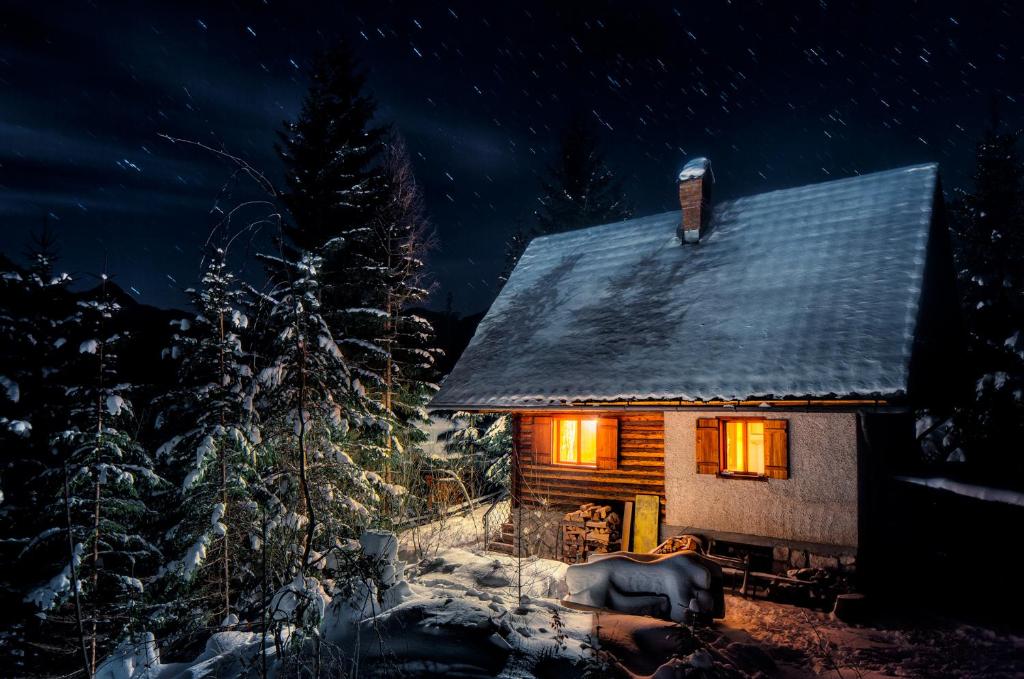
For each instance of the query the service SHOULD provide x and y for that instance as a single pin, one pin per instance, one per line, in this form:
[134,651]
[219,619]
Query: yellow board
[645,522]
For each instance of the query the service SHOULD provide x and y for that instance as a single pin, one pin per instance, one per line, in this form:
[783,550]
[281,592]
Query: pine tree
[353,202]
[33,301]
[331,154]
[484,441]
[988,230]
[314,407]
[96,493]
[335,184]
[393,356]
[515,246]
[211,455]
[337,189]
[578,191]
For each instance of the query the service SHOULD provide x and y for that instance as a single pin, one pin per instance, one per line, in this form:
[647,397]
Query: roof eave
[673,404]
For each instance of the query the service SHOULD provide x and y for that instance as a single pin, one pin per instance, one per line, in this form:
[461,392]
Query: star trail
[777,94]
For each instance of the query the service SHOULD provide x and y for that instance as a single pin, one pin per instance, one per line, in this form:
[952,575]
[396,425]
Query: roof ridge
[931,165]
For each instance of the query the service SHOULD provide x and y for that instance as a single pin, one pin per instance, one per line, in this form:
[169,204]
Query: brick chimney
[695,181]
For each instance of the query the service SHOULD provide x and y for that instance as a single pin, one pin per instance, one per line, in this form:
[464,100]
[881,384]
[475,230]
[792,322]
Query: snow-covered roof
[809,292]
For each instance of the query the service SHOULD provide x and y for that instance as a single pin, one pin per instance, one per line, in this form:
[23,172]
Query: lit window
[744,447]
[576,441]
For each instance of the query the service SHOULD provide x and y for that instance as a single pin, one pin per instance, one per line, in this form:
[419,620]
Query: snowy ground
[429,539]
[468,614]
[798,642]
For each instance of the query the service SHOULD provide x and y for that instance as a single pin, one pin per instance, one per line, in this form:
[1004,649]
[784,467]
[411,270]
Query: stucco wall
[816,504]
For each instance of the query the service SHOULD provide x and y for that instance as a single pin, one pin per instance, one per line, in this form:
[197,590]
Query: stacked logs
[590,529]
[679,543]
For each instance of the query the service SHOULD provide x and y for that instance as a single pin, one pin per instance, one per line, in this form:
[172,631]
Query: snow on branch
[46,596]
[985,493]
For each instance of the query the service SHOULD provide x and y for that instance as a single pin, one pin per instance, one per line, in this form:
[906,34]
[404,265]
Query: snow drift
[460,613]
[673,586]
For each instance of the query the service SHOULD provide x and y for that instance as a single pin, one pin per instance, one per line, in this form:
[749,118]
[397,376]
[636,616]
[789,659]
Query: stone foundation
[785,558]
[536,531]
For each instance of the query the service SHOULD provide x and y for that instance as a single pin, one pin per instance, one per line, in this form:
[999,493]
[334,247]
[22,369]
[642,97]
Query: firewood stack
[679,543]
[590,529]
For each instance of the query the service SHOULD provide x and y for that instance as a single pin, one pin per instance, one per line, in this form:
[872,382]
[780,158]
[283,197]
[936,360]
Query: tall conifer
[988,230]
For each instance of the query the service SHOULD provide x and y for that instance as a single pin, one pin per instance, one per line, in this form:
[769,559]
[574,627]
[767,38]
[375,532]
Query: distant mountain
[148,330]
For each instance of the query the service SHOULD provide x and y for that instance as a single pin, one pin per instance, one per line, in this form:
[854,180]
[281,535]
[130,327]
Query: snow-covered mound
[672,586]
[461,613]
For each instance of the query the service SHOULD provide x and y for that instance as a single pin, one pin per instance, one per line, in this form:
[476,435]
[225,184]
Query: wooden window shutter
[709,456]
[776,449]
[542,438]
[607,443]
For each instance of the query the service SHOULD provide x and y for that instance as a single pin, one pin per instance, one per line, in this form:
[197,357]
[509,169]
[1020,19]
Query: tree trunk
[388,325]
[266,599]
[74,576]
[96,499]
[303,480]
[95,576]
[224,477]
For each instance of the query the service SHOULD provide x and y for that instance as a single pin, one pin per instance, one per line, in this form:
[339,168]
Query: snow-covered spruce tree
[579,190]
[95,496]
[336,190]
[483,443]
[353,201]
[392,352]
[312,408]
[211,455]
[331,155]
[33,301]
[988,230]
[345,186]
[515,246]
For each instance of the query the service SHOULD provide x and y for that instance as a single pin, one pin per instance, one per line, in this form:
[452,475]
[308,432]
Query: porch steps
[503,544]
[499,547]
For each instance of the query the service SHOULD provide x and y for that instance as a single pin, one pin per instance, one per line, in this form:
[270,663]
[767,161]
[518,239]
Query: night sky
[776,94]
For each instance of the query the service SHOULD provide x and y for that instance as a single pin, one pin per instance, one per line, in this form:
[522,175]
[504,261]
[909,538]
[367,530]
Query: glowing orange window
[744,447]
[575,441]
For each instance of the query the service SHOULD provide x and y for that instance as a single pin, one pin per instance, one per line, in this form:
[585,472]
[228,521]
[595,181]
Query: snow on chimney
[695,198]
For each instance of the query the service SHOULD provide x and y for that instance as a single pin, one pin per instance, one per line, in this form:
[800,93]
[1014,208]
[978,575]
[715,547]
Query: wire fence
[497,515]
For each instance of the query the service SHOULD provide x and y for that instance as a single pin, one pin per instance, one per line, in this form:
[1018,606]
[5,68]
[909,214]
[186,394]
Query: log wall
[641,466]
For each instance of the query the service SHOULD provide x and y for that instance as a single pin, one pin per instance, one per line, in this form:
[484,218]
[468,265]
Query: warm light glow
[576,441]
[568,440]
[755,447]
[734,441]
[588,442]
[744,447]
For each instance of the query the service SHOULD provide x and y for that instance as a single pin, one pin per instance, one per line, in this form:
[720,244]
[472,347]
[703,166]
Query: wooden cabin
[754,363]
